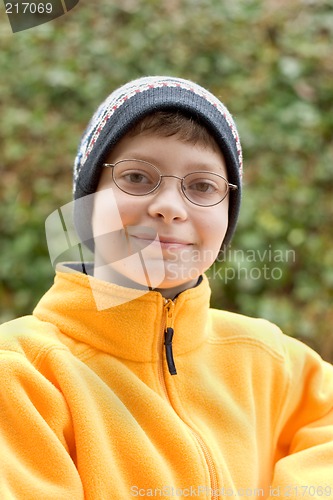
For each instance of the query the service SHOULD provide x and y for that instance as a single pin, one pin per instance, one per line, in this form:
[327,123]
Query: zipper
[209,461]
[168,331]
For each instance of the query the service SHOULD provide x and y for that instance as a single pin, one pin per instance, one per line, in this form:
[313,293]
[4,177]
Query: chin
[156,279]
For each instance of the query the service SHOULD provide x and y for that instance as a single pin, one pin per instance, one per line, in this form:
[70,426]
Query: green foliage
[269,61]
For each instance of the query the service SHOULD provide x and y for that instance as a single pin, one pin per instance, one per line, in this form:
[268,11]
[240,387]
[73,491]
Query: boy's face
[189,236]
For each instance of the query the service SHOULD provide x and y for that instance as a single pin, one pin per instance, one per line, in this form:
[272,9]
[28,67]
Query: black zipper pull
[168,334]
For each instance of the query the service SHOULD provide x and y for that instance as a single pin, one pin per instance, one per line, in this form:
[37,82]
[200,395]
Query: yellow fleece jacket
[89,409]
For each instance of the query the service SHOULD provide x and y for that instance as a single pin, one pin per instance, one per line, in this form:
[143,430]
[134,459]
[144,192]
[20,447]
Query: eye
[135,177]
[202,186]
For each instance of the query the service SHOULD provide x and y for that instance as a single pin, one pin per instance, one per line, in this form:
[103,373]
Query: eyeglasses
[139,178]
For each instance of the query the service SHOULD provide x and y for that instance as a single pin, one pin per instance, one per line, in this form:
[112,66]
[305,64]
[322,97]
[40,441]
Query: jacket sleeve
[304,460]
[37,459]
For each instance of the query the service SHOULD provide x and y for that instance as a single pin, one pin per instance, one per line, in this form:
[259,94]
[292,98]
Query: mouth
[163,241]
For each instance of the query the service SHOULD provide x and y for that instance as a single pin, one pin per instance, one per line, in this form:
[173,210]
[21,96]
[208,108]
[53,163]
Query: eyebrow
[132,155]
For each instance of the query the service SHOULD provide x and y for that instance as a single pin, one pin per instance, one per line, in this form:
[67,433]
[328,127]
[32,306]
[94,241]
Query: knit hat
[126,106]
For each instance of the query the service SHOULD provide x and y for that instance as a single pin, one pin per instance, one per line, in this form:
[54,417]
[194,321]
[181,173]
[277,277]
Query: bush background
[270,61]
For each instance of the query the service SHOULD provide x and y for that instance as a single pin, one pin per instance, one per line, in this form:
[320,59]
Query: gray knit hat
[127,105]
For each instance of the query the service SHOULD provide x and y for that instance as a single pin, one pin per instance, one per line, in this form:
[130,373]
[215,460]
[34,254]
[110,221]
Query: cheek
[130,208]
[106,215]
[214,229]
[215,233]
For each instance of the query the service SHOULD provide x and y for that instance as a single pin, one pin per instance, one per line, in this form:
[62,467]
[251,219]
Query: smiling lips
[164,241]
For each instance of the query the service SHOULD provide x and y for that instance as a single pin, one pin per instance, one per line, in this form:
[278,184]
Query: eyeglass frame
[230,186]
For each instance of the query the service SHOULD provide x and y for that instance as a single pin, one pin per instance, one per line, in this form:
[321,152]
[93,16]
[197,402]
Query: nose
[168,202]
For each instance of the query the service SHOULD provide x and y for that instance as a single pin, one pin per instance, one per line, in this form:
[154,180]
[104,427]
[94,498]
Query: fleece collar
[131,330]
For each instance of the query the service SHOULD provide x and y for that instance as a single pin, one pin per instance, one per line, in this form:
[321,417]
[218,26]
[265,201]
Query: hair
[166,123]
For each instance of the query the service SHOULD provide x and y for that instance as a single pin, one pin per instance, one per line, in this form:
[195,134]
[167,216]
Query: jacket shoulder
[28,336]
[230,327]
[250,334]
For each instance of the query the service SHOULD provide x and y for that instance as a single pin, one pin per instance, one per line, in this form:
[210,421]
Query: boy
[124,383]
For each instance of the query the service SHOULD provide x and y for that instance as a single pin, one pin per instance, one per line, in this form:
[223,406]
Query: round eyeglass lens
[205,188]
[136,177]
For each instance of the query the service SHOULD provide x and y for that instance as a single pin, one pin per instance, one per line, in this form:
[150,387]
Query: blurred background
[269,61]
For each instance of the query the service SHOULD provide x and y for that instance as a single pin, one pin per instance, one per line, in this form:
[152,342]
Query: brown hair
[167,123]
